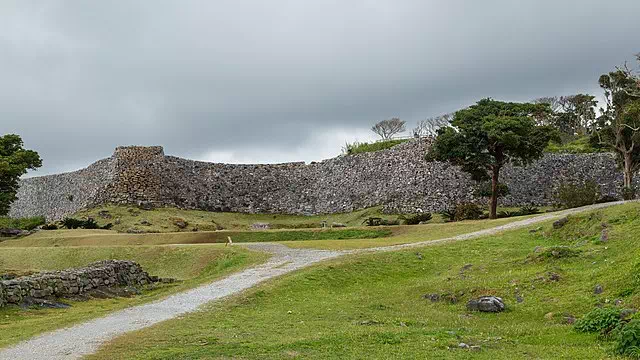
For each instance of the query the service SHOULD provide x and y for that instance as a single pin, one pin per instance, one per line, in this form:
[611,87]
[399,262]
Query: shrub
[628,340]
[606,199]
[602,320]
[417,218]
[484,189]
[559,252]
[467,211]
[528,210]
[448,214]
[358,147]
[90,223]
[29,223]
[389,222]
[572,195]
[629,193]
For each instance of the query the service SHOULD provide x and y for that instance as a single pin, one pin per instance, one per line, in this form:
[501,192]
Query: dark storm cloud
[282,80]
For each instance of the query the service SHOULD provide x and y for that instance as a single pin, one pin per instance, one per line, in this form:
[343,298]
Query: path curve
[83,339]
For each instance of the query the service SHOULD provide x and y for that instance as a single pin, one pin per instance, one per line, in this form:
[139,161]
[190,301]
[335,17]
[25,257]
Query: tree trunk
[493,202]
[628,172]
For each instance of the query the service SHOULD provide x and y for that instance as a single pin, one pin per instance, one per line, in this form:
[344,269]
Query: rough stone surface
[399,179]
[486,304]
[73,282]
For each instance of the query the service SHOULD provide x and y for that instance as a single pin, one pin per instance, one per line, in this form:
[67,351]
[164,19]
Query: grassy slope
[108,238]
[371,304]
[193,264]
[350,238]
[160,219]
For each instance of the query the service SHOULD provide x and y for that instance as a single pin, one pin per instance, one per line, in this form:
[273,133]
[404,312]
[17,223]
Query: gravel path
[86,338]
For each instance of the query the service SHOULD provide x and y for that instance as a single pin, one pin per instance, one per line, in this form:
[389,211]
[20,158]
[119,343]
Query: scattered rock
[598,289]
[617,302]
[486,304]
[552,276]
[104,214]
[13,232]
[538,249]
[29,302]
[626,313]
[569,319]
[260,226]
[135,231]
[463,346]
[474,348]
[604,235]
[419,256]
[146,205]
[338,225]
[145,223]
[180,223]
[117,221]
[533,231]
[519,298]
[549,316]
[432,297]
[560,223]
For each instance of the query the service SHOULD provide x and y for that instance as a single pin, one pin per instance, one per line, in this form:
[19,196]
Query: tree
[430,126]
[572,114]
[619,125]
[14,162]
[490,134]
[578,114]
[387,128]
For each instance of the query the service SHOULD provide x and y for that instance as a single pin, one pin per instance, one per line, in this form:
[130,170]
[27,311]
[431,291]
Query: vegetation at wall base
[365,147]
[21,223]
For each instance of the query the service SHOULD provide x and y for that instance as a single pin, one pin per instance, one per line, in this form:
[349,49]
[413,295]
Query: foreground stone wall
[73,282]
[398,179]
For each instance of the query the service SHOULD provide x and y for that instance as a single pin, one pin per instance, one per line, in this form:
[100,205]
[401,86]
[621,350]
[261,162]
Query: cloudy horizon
[279,81]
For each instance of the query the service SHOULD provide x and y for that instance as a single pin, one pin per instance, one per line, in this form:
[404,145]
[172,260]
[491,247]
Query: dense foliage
[21,223]
[14,162]
[358,147]
[490,134]
[576,195]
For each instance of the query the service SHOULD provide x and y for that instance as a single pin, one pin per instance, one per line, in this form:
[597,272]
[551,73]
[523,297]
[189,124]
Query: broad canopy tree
[485,137]
[14,162]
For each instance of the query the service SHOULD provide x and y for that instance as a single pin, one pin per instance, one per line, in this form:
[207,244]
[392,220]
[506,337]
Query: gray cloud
[282,80]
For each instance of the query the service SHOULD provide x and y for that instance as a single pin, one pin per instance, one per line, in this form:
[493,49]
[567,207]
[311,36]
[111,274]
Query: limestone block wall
[399,179]
[67,283]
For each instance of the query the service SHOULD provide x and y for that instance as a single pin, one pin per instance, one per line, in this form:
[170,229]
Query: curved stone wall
[398,179]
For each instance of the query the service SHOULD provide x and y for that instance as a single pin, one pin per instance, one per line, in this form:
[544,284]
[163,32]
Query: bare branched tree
[386,129]
[430,126]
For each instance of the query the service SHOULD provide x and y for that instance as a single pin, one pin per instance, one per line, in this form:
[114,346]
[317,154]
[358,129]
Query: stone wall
[398,179]
[73,282]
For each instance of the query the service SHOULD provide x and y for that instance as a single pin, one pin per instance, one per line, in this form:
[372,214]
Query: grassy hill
[374,306]
[192,265]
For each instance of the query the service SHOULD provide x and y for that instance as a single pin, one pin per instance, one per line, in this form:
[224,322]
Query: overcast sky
[275,81]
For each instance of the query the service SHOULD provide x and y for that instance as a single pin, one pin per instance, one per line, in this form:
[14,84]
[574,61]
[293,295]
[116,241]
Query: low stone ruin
[73,282]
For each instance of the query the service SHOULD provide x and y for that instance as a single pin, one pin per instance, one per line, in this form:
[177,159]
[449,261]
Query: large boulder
[491,304]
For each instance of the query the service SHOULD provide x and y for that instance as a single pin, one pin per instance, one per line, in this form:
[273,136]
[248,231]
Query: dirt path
[82,339]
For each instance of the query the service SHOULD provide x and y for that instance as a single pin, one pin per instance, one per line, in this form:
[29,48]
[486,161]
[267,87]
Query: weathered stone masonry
[73,282]
[398,178]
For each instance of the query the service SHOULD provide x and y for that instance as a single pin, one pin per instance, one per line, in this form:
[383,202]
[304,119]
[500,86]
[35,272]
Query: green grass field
[371,306]
[193,265]
[161,219]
